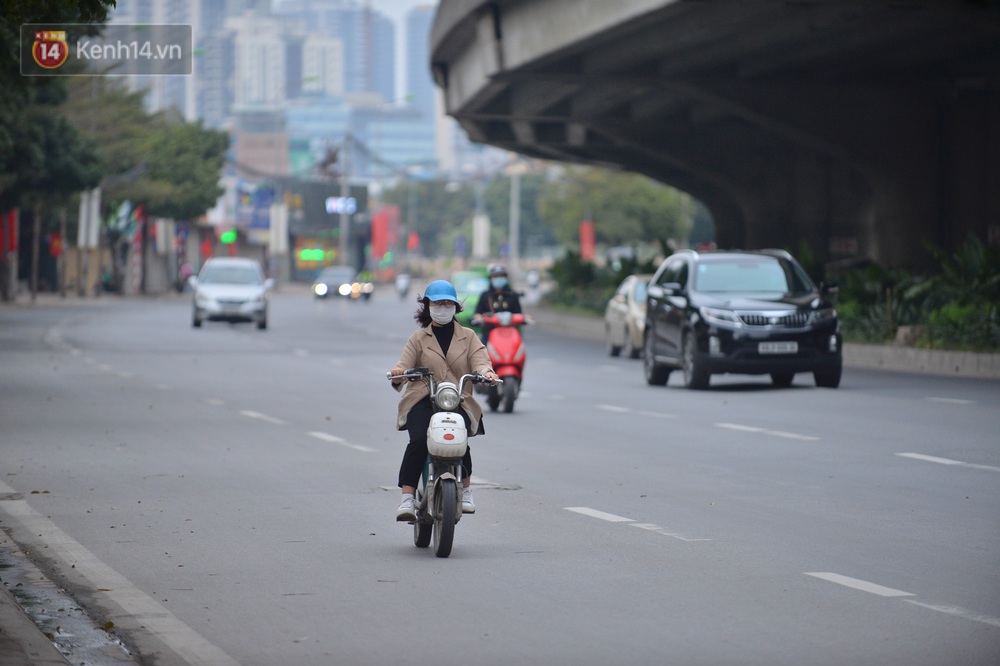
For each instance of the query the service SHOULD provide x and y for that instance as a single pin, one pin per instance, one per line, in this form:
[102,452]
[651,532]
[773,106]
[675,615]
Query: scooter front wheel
[446,504]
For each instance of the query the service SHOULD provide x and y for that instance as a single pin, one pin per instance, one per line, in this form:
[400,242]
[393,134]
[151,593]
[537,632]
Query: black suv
[742,312]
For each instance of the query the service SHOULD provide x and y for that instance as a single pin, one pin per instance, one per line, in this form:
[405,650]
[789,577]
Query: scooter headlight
[448,398]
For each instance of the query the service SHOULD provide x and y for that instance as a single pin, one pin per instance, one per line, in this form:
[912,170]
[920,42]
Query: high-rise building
[322,65]
[420,90]
[368,39]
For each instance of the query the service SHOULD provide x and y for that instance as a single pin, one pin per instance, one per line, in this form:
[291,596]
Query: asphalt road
[227,495]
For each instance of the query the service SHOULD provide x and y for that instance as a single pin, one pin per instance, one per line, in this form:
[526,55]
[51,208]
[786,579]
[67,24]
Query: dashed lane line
[262,417]
[951,401]
[958,612]
[326,437]
[947,461]
[882,591]
[618,409]
[612,518]
[765,431]
[858,584]
[594,513]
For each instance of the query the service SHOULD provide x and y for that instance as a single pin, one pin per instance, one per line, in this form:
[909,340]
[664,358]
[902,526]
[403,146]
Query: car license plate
[778,347]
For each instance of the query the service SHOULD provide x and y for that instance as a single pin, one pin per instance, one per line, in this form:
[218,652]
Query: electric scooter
[437,503]
[507,354]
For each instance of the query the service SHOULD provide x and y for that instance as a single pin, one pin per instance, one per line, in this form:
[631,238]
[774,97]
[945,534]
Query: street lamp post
[345,193]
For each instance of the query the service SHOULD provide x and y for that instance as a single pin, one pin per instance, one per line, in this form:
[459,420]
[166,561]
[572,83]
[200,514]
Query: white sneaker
[405,511]
[468,505]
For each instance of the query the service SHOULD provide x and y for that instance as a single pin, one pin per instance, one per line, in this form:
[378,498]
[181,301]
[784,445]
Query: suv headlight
[719,317]
[826,314]
[448,398]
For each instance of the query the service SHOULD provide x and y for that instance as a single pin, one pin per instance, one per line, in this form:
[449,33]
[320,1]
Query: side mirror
[655,291]
[193,281]
[269,284]
[672,288]
[619,298]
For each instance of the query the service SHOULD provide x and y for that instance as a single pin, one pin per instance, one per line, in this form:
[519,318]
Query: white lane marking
[872,588]
[958,612]
[662,530]
[952,401]
[262,417]
[765,431]
[618,409]
[736,426]
[594,513]
[191,646]
[657,415]
[215,401]
[858,584]
[326,437]
[947,461]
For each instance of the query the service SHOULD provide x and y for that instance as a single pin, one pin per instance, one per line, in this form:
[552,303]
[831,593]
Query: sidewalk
[22,643]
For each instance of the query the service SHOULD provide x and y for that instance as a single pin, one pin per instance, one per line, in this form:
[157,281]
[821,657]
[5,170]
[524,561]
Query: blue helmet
[441,290]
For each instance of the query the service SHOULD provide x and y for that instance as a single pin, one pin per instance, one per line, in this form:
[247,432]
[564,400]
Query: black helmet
[497,269]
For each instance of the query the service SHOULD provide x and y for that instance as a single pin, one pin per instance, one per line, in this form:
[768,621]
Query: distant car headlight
[320,289]
[448,398]
[345,289]
[719,317]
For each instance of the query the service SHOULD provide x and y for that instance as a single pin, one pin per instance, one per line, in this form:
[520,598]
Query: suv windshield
[750,274]
[229,275]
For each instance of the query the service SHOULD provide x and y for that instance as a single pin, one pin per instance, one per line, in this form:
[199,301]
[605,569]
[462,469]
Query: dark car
[341,281]
[739,312]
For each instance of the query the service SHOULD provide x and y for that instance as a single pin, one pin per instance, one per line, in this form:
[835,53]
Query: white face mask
[442,314]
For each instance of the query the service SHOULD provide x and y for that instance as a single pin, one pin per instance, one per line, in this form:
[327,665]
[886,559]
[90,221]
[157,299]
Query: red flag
[588,241]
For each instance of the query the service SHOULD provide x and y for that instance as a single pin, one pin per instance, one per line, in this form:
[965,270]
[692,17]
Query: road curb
[969,365]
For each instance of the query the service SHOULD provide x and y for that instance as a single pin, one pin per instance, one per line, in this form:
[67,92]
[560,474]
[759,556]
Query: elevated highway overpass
[866,129]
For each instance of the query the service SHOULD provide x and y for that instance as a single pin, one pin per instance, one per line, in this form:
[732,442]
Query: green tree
[438,210]
[19,147]
[533,232]
[182,171]
[624,207]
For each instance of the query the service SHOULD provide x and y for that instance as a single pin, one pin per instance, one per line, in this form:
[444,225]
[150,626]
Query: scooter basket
[446,436]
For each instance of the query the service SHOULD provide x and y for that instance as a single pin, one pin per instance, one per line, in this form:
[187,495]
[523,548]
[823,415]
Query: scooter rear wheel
[446,504]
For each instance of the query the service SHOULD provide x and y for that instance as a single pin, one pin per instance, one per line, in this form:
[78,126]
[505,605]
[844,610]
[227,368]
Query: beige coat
[465,354]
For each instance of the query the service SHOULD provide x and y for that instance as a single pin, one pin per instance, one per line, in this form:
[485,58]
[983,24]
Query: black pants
[416,451]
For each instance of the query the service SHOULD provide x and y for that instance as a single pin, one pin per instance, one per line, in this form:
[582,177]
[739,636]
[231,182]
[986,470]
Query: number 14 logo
[50,49]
